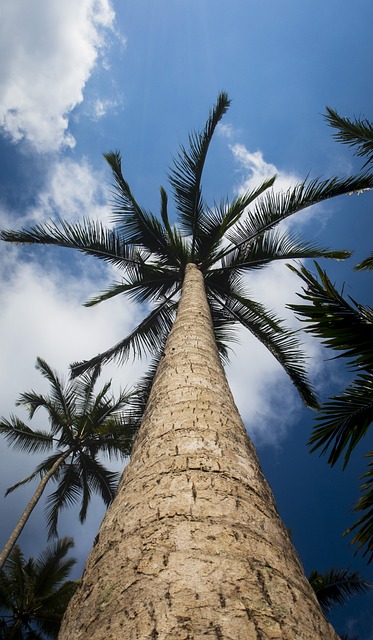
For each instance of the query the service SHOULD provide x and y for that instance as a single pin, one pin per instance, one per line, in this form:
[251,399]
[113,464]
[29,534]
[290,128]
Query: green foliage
[345,326]
[226,241]
[84,425]
[344,419]
[357,133]
[337,586]
[34,594]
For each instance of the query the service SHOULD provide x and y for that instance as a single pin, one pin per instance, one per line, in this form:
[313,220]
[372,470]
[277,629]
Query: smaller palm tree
[83,425]
[34,594]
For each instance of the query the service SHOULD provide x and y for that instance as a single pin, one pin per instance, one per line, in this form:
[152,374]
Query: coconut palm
[83,425]
[34,594]
[192,545]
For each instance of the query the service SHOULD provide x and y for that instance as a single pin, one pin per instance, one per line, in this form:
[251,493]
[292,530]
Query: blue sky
[139,76]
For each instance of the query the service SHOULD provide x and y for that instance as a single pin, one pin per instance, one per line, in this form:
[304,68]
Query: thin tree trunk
[29,509]
[192,546]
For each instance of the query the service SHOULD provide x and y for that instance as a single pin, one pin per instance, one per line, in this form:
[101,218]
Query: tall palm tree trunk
[29,508]
[192,546]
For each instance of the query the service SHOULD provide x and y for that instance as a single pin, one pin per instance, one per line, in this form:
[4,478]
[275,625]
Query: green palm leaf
[343,326]
[185,177]
[337,586]
[20,436]
[34,594]
[344,420]
[217,221]
[273,207]
[67,494]
[363,527]
[148,336]
[366,265]
[356,133]
[88,237]
[283,343]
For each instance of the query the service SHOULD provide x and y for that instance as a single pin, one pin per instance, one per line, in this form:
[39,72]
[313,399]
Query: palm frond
[283,343]
[84,396]
[216,222]
[135,225]
[20,436]
[51,568]
[95,477]
[273,207]
[186,174]
[67,493]
[337,586]
[273,246]
[344,420]
[42,469]
[148,336]
[155,282]
[89,237]
[116,436]
[38,593]
[366,265]
[357,133]
[363,528]
[341,325]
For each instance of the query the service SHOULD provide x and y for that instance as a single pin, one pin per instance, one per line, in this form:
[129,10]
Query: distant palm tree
[193,545]
[34,594]
[83,425]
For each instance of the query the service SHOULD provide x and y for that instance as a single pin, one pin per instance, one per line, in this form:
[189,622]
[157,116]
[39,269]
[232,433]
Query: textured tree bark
[192,546]
[29,509]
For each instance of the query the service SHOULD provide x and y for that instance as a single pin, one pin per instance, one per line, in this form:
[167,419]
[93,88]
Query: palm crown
[83,426]
[34,594]
[226,241]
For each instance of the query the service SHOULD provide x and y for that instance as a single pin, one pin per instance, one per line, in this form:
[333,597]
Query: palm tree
[193,545]
[34,594]
[82,426]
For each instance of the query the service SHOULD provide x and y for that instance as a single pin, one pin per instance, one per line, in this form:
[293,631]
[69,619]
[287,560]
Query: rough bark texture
[192,546]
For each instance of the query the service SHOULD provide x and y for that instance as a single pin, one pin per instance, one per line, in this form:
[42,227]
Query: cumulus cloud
[73,191]
[258,169]
[48,52]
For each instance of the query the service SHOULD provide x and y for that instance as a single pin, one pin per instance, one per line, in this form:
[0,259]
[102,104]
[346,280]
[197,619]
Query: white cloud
[73,191]
[48,51]
[101,108]
[258,170]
